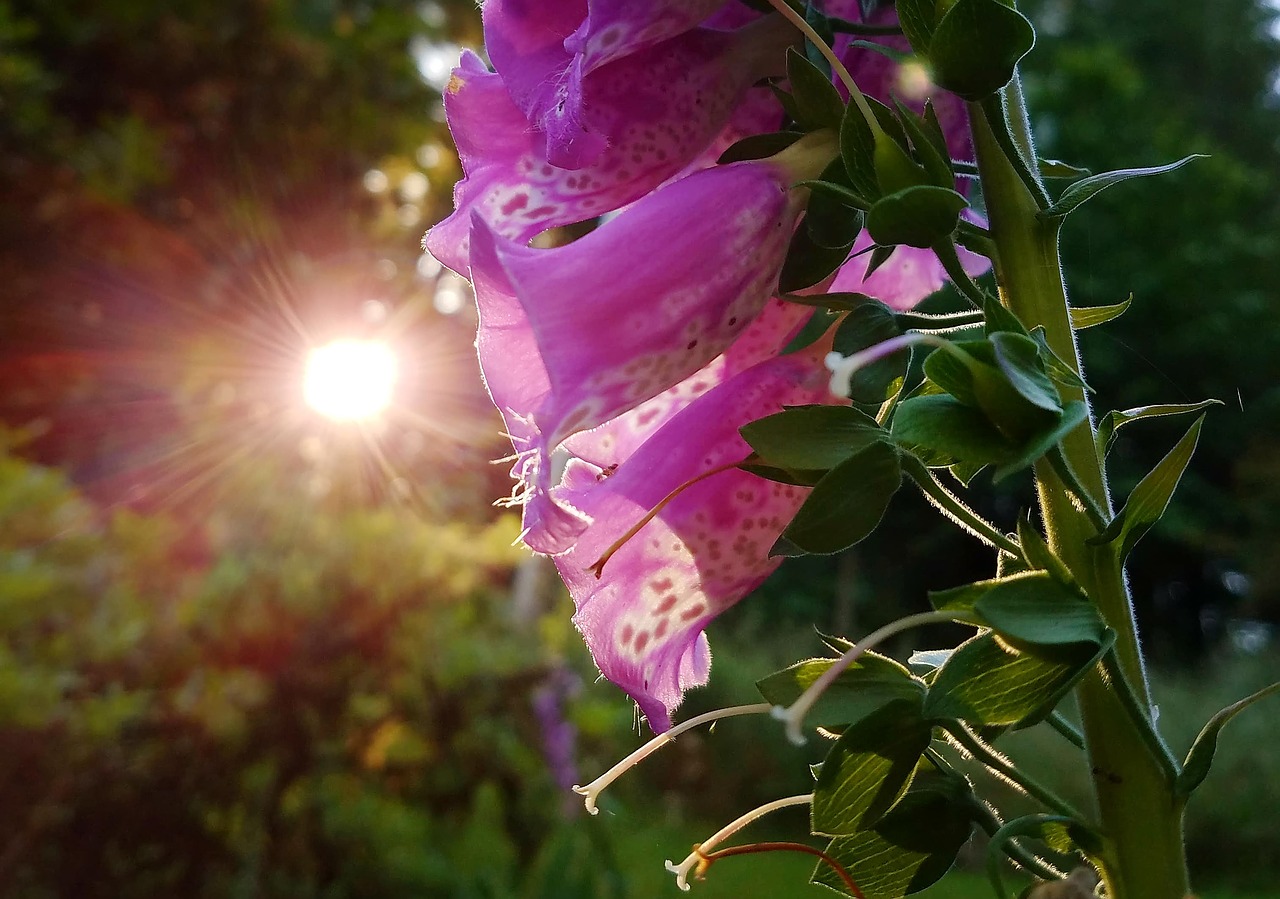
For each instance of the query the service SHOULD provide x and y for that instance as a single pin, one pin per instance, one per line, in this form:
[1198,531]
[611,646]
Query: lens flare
[350,380]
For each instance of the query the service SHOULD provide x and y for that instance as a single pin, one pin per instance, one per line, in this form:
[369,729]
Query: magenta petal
[615,28]
[643,618]
[658,111]
[637,305]
[617,439]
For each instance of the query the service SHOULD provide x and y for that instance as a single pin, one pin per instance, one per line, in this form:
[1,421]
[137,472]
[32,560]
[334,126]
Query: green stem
[1001,766]
[1141,718]
[1071,481]
[946,253]
[951,506]
[1066,728]
[1136,804]
[986,818]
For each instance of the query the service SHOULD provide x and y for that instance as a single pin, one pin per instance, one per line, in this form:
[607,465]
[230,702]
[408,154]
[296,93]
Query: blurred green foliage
[326,705]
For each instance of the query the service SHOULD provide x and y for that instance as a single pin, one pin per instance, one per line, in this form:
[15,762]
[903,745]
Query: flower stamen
[793,715]
[591,792]
[598,566]
[700,859]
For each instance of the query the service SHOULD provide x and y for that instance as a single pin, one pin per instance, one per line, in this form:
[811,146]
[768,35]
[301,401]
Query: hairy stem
[1136,805]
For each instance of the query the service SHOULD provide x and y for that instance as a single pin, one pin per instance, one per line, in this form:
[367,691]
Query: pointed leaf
[831,220]
[818,323]
[1019,358]
[945,428]
[812,437]
[1056,168]
[1196,768]
[759,146]
[918,18]
[1073,415]
[858,152]
[1086,189]
[1054,366]
[838,302]
[807,263]
[866,326]
[869,684]
[966,596]
[869,768]
[987,682]
[847,504]
[1090,316]
[817,103]
[1037,610]
[937,163]
[1151,497]
[1114,421]
[914,845]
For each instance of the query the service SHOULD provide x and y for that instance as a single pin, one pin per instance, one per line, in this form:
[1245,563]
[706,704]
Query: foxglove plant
[720,365]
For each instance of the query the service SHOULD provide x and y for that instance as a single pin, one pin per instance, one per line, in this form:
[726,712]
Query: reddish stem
[751,848]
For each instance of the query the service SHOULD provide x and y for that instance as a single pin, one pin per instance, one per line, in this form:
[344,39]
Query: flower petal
[656,111]
[644,616]
[908,276]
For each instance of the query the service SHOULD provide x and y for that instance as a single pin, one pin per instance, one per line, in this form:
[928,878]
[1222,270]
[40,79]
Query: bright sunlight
[350,379]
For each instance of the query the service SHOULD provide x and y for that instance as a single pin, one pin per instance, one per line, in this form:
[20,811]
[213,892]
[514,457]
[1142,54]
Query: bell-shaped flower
[678,534]
[655,111]
[571,337]
[546,49]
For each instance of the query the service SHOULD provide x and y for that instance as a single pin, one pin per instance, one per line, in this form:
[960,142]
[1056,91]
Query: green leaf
[869,768]
[839,302]
[936,162]
[917,216]
[1114,421]
[966,596]
[1196,768]
[879,256]
[846,505]
[798,477]
[759,146]
[1000,318]
[976,46]
[1056,168]
[1038,554]
[918,18]
[867,325]
[817,103]
[1019,358]
[989,682]
[858,152]
[1086,189]
[1037,609]
[1054,366]
[807,263]
[1091,316]
[870,683]
[965,472]
[812,437]
[818,323]
[944,427]
[831,220]
[912,847]
[1073,415]
[1061,834]
[1151,497]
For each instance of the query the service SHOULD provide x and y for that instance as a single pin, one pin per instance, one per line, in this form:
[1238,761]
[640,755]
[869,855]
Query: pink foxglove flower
[572,337]
[547,49]
[644,596]
[654,112]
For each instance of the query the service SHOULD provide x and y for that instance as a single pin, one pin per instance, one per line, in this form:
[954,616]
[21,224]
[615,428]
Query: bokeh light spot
[350,379]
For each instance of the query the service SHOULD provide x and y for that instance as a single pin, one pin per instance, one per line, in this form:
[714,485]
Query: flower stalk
[698,860]
[1136,805]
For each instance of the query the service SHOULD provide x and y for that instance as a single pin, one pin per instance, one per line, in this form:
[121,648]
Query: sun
[350,380]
